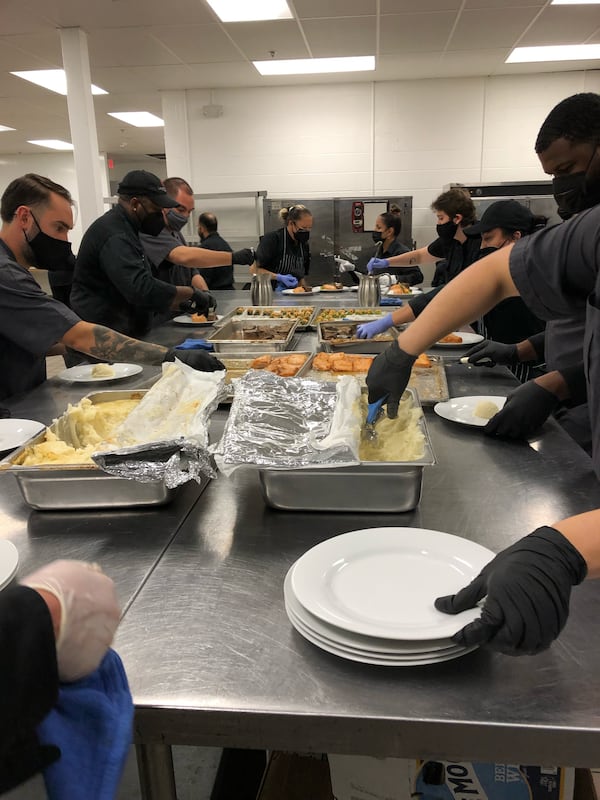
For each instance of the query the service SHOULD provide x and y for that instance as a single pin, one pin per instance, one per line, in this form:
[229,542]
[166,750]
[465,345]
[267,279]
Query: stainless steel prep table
[213,660]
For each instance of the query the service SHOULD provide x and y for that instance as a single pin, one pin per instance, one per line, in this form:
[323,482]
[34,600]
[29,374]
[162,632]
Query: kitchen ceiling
[139,47]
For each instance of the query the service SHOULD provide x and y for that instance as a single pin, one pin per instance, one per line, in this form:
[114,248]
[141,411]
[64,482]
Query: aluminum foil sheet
[284,423]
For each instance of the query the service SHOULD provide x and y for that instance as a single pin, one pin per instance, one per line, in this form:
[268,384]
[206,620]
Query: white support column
[177,136]
[83,124]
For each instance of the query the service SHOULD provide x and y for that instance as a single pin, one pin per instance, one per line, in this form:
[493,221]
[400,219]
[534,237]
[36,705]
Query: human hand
[389,375]
[244,256]
[89,613]
[527,589]
[377,263]
[197,359]
[489,353]
[526,409]
[199,303]
[343,265]
[289,281]
[370,329]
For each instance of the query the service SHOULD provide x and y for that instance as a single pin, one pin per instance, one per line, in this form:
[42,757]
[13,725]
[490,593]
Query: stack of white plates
[368,595]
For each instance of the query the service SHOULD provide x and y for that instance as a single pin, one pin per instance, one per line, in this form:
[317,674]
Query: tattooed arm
[104,343]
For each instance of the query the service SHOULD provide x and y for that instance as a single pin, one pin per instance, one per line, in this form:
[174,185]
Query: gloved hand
[488,354]
[344,265]
[289,281]
[528,587]
[197,359]
[244,256]
[377,263]
[389,375]
[370,329]
[89,613]
[199,303]
[526,409]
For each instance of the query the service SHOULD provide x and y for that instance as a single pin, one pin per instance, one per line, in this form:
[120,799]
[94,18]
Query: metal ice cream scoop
[374,412]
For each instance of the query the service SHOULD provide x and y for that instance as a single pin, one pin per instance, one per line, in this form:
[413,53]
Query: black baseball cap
[510,215]
[140,183]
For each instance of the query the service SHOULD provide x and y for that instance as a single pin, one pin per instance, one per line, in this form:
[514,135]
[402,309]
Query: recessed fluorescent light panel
[54,144]
[53,79]
[310,66]
[559,52]
[249,11]
[575,2]
[140,119]
[6,128]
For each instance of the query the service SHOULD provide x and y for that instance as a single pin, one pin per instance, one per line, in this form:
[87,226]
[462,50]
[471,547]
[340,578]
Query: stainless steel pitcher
[369,292]
[261,291]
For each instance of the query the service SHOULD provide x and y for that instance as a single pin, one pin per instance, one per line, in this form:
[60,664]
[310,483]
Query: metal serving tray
[354,345]
[304,314]
[65,487]
[380,487]
[238,364]
[331,314]
[231,337]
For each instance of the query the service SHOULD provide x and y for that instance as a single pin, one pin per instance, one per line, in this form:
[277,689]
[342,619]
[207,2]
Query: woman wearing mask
[454,211]
[284,253]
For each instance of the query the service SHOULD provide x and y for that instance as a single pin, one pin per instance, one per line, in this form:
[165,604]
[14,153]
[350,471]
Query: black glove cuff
[574,377]
[560,547]
[396,357]
[170,355]
[538,342]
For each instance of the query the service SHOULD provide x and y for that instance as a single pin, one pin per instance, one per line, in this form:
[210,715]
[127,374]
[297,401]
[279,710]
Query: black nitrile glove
[199,303]
[488,354]
[245,256]
[528,587]
[198,359]
[389,375]
[526,409]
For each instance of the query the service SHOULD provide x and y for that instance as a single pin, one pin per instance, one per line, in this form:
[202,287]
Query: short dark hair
[392,220]
[30,190]
[209,221]
[173,185]
[456,201]
[576,118]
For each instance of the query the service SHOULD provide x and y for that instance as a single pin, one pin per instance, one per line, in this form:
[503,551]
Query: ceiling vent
[157,156]
[212,111]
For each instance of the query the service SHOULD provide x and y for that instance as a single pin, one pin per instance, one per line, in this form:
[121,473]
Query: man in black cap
[113,283]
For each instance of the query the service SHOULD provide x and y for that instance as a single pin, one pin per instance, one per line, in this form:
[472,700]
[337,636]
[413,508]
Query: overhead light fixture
[575,2]
[53,79]
[140,119]
[53,144]
[243,11]
[6,128]
[558,52]
[309,66]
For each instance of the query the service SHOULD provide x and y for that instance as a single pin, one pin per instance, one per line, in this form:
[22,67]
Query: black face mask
[153,222]
[377,237]
[576,192]
[50,253]
[447,230]
[302,236]
[485,251]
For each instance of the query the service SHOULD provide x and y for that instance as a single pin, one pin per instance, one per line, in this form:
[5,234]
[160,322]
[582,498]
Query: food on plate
[423,361]
[399,288]
[284,366]
[103,371]
[198,318]
[485,409]
[341,362]
[399,439]
[451,338]
[300,289]
[332,287]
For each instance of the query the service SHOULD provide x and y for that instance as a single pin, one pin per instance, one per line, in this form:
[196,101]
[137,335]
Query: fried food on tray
[284,366]
[399,288]
[452,338]
[198,318]
[331,287]
[341,362]
[423,361]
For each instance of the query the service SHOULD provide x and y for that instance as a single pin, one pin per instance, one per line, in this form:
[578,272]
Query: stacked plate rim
[368,595]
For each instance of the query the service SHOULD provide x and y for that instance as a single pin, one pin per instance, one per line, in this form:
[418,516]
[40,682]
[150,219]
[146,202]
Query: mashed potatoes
[103,371]
[399,439]
[486,409]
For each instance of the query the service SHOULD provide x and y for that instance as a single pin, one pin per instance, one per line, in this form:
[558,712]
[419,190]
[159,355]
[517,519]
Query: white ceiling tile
[563,25]
[125,47]
[485,28]
[506,5]
[415,33]
[196,44]
[350,36]
[307,9]
[423,6]
[257,40]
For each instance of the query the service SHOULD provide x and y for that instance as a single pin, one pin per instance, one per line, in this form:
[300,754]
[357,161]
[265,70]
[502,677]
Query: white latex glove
[89,613]
[343,265]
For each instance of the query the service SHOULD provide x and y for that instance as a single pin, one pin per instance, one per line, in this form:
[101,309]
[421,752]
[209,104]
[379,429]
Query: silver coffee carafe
[369,291]
[261,291]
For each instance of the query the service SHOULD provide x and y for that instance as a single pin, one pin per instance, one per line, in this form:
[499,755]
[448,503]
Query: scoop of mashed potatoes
[485,409]
[399,439]
[103,371]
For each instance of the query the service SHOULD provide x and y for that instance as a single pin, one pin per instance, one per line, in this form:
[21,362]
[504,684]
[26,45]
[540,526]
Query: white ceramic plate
[467,340]
[82,373]
[377,660]
[370,644]
[9,561]
[315,290]
[333,291]
[15,432]
[185,319]
[413,292]
[461,409]
[382,582]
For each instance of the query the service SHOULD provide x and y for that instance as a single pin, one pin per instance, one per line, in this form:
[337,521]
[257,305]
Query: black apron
[591,362]
[290,263]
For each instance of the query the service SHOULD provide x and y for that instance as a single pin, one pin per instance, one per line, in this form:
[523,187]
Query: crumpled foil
[290,423]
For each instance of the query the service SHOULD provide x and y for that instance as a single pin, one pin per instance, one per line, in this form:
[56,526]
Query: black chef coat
[217,277]
[279,253]
[456,257]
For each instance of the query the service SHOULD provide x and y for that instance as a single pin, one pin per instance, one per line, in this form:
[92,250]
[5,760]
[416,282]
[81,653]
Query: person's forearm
[403,315]
[476,290]
[555,383]
[537,345]
[199,283]
[412,258]
[104,343]
[199,257]
[182,293]
[583,532]
[526,351]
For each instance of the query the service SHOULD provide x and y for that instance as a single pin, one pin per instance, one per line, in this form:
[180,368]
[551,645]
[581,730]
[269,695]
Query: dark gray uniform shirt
[31,322]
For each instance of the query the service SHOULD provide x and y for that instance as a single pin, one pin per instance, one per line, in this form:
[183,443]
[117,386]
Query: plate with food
[459,339]
[97,373]
[302,290]
[474,410]
[196,320]
[401,290]
[15,432]
[332,288]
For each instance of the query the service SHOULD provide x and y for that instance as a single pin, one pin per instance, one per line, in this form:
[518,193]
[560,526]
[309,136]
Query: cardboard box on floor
[364,778]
